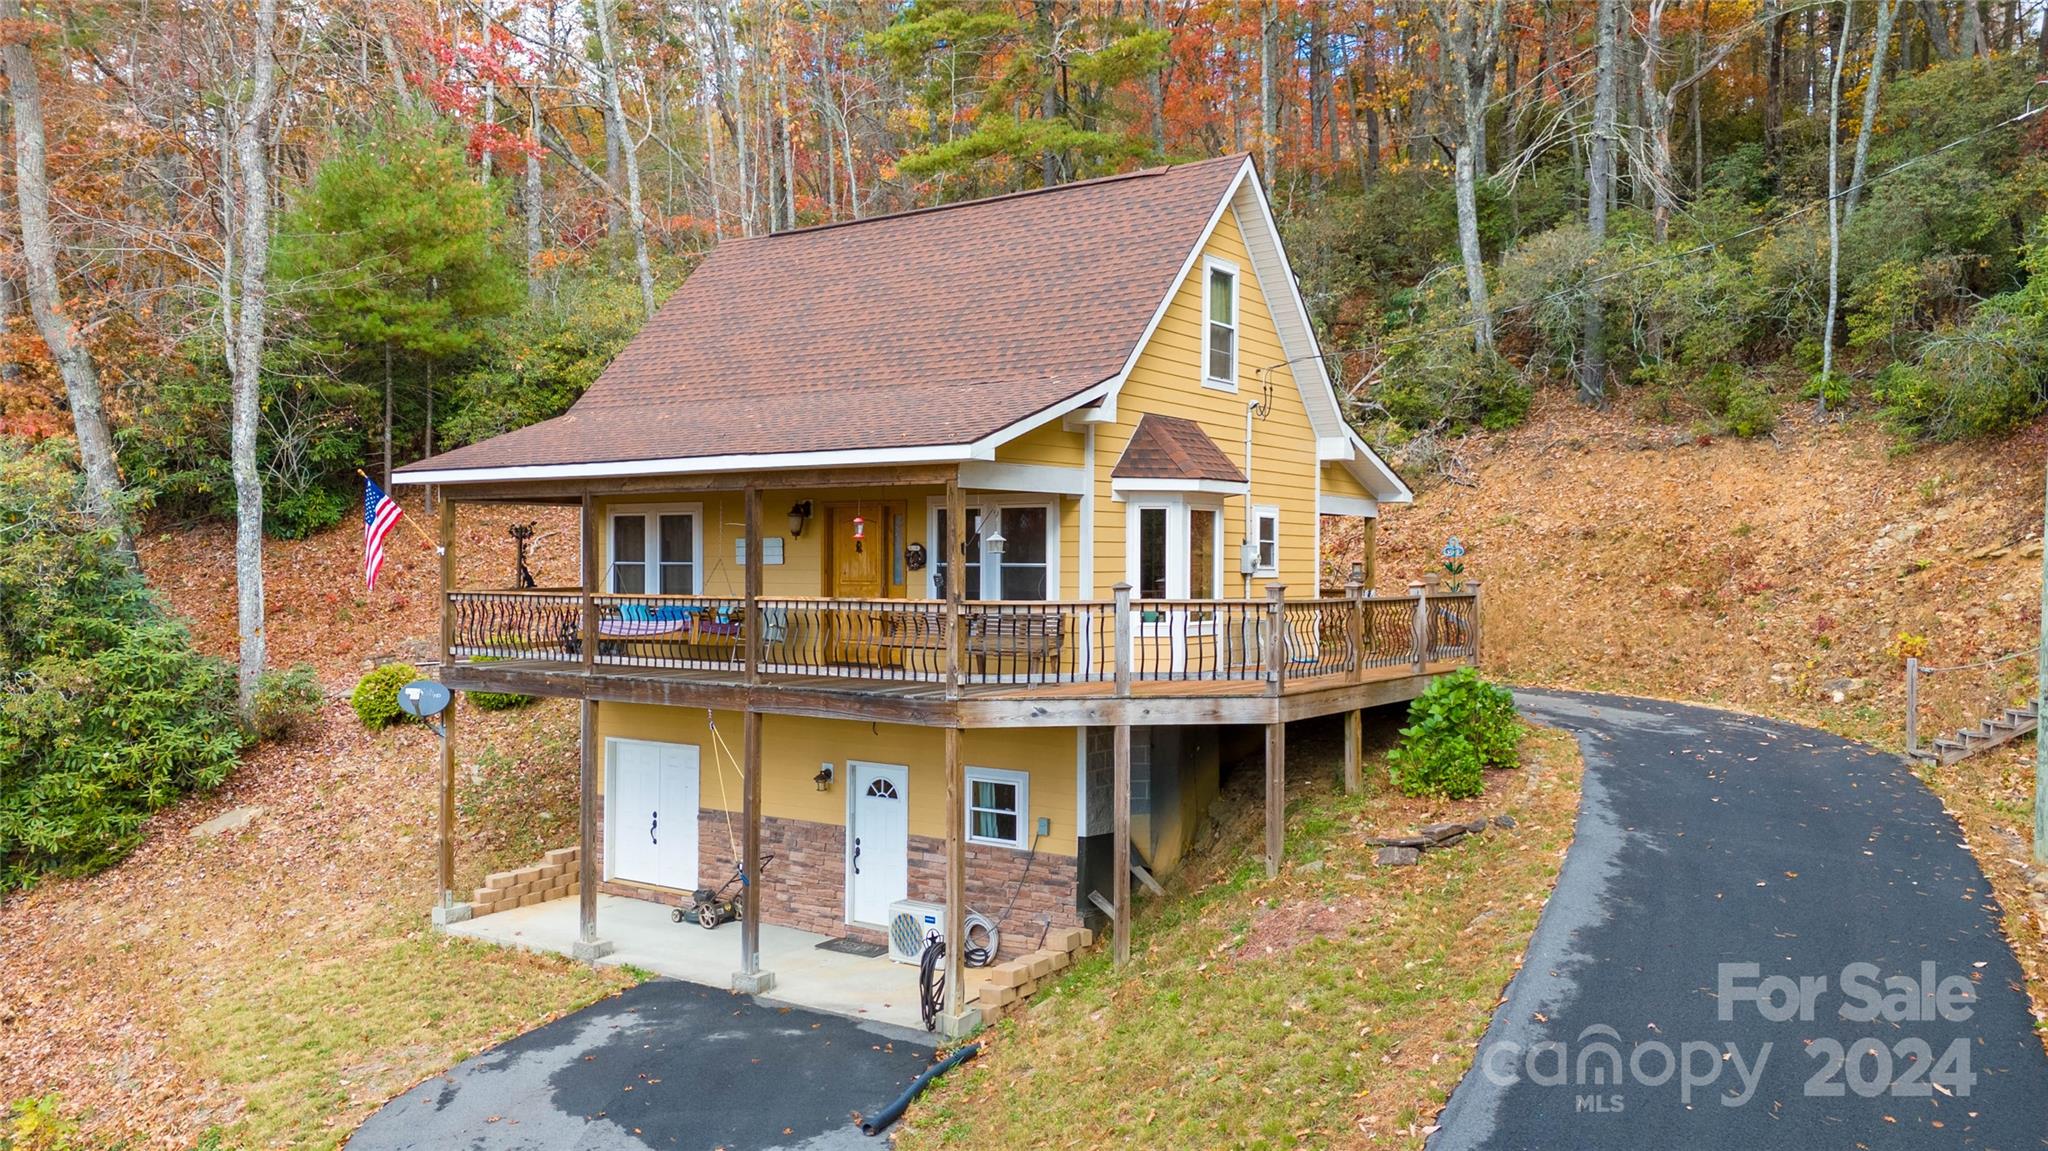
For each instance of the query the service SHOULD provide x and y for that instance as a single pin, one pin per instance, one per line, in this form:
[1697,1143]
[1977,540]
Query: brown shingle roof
[1173,448]
[931,327]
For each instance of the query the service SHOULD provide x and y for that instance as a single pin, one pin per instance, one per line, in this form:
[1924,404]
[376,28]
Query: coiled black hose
[931,981]
[879,1122]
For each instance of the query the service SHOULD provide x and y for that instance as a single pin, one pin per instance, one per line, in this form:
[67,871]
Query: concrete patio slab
[642,935]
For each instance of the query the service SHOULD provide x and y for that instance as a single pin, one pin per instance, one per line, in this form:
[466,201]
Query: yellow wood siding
[1338,481]
[793,748]
[1167,379]
[1051,444]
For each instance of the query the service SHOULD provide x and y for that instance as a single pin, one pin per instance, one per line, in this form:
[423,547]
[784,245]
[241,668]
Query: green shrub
[375,697]
[1458,727]
[1751,410]
[499,700]
[108,713]
[38,1123]
[307,512]
[284,701]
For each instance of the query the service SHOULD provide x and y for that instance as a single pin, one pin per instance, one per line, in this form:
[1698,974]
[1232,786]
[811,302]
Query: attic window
[1219,332]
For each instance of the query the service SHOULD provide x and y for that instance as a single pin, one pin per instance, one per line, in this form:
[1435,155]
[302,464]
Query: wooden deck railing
[1028,643]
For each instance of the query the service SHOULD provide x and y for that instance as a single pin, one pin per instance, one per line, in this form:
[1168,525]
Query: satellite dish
[423,698]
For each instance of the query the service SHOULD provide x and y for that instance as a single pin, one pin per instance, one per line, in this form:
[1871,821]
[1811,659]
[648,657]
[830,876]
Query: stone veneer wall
[805,885]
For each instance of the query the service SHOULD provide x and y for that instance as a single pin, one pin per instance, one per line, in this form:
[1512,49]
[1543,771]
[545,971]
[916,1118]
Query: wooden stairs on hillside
[2008,725]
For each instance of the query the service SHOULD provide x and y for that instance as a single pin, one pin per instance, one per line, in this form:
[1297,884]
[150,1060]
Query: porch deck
[968,665]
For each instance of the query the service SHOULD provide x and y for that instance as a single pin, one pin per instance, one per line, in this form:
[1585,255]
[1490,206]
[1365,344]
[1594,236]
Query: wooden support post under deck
[751,625]
[956,883]
[956,579]
[1120,862]
[1354,751]
[750,979]
[444,834]
[591,578]
[587,945]
[1120,786]
[1276,795]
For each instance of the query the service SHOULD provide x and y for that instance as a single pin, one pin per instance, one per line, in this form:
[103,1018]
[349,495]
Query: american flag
[380,514]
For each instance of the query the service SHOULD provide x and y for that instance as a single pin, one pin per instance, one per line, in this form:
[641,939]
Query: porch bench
[1034,639]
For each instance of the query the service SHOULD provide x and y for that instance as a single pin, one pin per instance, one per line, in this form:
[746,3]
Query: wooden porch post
[750,979]
[751,628]
[956,579]
[956,887]
[592,579]
[1418,638]
[587,946]
[1477,601]
[1120,802]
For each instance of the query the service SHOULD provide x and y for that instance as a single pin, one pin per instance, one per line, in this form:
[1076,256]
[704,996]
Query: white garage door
[651,827]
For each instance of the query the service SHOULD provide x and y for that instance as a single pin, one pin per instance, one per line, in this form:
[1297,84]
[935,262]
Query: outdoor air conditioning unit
[911,922]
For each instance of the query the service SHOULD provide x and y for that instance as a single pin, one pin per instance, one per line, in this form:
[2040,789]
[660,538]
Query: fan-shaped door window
[882,789]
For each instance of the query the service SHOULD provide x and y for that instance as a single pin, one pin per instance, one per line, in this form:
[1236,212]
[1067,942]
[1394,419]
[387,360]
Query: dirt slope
[1789,577]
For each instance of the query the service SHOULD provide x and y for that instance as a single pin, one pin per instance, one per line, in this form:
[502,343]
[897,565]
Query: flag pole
[430,541]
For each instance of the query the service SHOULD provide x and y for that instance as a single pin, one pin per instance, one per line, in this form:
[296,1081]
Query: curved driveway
[1743,900]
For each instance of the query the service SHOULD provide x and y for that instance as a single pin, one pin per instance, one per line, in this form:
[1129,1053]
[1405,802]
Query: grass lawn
[1336,1004]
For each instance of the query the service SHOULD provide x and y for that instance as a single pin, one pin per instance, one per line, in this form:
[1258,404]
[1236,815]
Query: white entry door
[878,841]
[651,827]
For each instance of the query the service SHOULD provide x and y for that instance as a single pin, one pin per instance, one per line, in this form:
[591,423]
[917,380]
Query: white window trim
[1178,575]
[652,525]
[1210,265]
[1260,514]
[1022,782]
[933,544]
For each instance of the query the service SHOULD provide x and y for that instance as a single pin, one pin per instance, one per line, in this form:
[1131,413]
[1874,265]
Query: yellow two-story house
[937,555]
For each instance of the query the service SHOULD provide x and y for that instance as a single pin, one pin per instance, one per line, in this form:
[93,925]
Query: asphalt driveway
[1763,937]
[664,1064]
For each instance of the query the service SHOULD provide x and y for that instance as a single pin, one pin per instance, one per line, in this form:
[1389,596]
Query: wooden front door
[859,565]
[864,561]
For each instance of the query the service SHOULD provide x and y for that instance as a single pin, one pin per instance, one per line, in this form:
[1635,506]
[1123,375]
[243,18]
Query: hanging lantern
[992,541]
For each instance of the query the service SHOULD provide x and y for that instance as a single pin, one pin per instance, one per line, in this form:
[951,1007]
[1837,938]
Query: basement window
[996,806]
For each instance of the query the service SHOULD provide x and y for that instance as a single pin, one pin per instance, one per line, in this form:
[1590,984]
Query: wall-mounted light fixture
[799,514]
[823,779]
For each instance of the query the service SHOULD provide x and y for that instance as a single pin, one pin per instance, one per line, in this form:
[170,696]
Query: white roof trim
[1336,505]
[1050,479]
[1120,488]
[689,465]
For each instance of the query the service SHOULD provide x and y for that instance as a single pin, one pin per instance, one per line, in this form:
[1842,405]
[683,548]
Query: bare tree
[1827,331]
[1471,40]
[615,112]
[1887,11]
[1660,105]
[45,300]
[1599,179]
[1269,86]
[251,204]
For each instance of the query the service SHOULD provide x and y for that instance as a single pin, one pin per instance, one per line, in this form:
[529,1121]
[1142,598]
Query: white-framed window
[654,549]
[1176,548]
[1028,567]
[1219,324]
[998,807]
[1266,541]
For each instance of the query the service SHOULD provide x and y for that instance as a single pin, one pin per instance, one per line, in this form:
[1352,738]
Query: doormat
[848,945]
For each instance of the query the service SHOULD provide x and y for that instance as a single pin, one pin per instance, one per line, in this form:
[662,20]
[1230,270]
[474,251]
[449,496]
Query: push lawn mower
[722,904]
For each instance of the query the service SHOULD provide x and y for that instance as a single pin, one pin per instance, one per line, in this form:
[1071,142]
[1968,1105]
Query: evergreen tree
[395,252]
